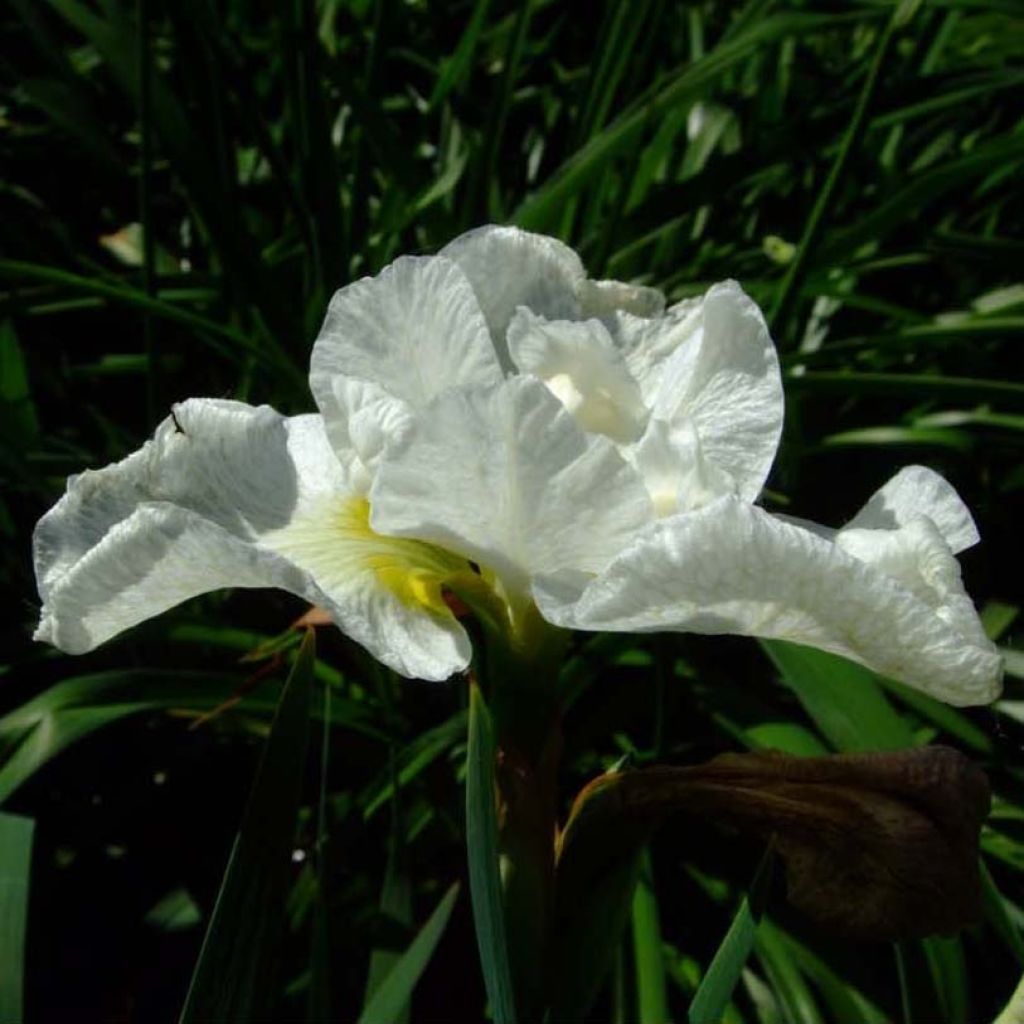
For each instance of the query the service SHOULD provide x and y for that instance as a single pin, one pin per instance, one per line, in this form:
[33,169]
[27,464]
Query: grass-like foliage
[183,184]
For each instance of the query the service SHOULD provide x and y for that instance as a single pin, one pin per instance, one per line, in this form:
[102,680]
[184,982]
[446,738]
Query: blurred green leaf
[648,959]
[482,849]
[716,987]
[396,989]
[18,417]
[844,699]
[15,869]
[235,976]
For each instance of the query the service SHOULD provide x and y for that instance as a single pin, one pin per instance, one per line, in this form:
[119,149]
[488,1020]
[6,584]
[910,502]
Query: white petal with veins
[412,331]
[917,490]
[582,367]
[671,462]
[725,379]
[505,477]
[603,298]
[238,497]
[508,268]
[732,568]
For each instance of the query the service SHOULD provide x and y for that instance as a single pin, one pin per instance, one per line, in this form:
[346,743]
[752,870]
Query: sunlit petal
[733,568]
[509,268]
[227,495]
[582,367]
[506,477]
[412,331]
[914,491]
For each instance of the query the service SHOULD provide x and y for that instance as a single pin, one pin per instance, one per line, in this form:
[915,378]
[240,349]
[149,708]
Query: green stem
[527,728]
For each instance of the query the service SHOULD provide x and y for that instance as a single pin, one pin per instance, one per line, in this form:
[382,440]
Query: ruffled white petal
[583,369]
[155,558]
[226,495]
[366,418]
[914,491]
[725,380]
[647,343]
[732,568]
[244,468]
[411,331]
[505,477]
[672,465]
[605,298]
[508,268]
[383,592]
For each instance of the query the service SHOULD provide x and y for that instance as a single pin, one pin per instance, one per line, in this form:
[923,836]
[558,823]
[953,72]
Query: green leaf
[716,987]
[595,884]
[651,995]
[541,210]
[457,67]
[15,868]
[843,1001]
[844,699]
[207,330]
[176,912]
[784,974]
[796,267]
[482,849]
[390,999]
[396,902]
[18,419]
[235,976]
[36,732]
[997,915]
[946,718]
[921,386]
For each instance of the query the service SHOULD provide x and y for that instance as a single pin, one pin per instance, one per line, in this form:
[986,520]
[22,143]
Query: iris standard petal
[733,568]
[725,380]
[411,331]
[581,366]
[508,268]
[505,477]
[605,298]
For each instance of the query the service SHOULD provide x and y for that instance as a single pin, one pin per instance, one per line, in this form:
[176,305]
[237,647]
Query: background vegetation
[184,184]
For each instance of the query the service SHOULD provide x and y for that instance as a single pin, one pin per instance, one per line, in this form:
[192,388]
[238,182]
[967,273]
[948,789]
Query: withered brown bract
[875,846]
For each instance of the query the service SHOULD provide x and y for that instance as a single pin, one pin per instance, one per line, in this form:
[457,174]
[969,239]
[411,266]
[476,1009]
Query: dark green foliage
[179,203]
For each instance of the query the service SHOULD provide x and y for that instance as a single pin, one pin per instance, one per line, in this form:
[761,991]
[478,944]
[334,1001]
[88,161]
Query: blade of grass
[209,330]
[35,733]
[455,70]
[716,987]
[997,915]
[648,960]
[923,386]
[15,867]
[394,993]
[482,849]
[785,976]
[544,208]
[789,288]
[318,998]
[113,39]
[146,201]
[234,978]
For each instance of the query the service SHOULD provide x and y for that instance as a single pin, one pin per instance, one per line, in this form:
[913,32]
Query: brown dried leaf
[875,845]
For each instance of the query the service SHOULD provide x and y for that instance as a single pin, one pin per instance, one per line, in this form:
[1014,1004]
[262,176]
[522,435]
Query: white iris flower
[496,425]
